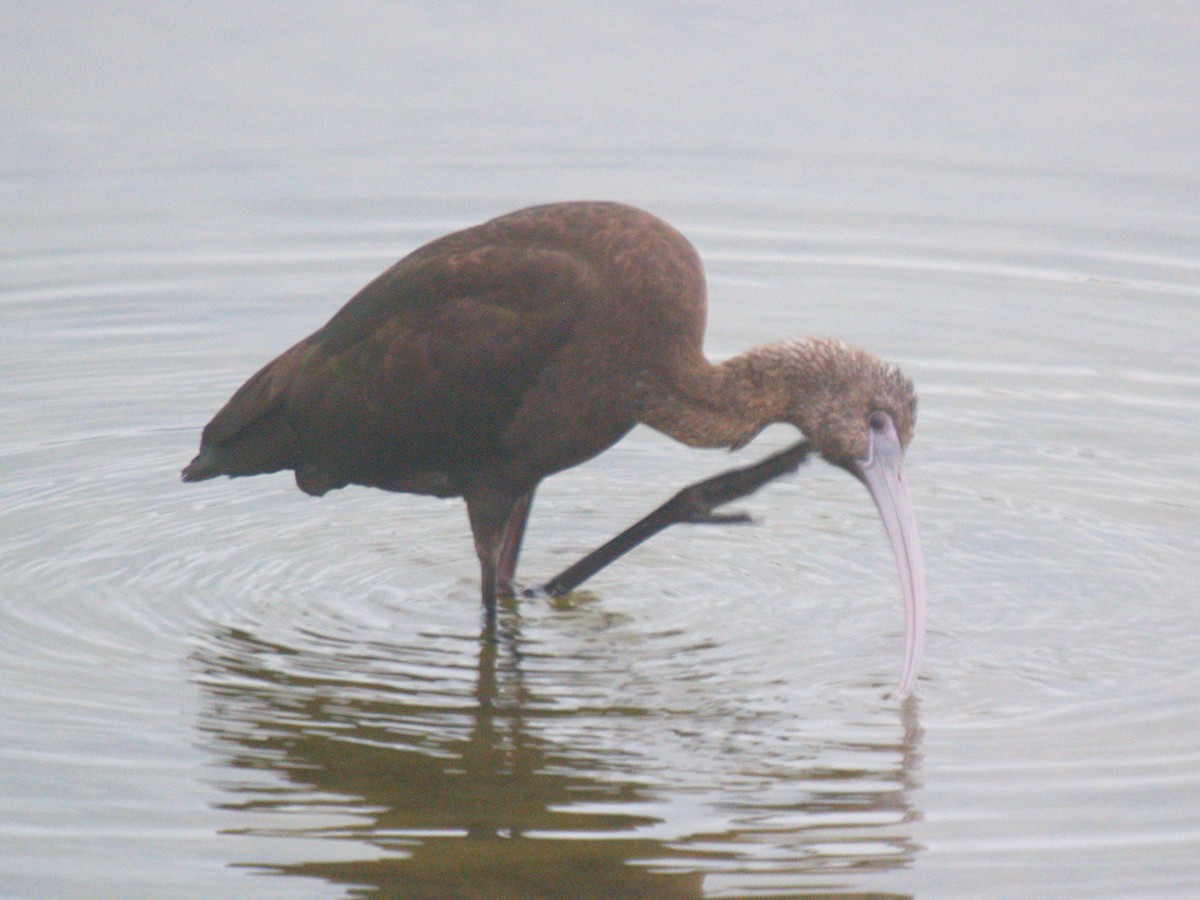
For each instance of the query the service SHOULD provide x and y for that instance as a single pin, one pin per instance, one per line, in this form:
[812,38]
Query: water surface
[234,690]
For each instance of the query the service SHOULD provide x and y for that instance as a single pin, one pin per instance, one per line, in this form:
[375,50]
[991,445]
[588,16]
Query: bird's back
[514,348]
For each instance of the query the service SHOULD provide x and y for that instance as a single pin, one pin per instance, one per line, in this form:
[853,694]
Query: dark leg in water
[695,503]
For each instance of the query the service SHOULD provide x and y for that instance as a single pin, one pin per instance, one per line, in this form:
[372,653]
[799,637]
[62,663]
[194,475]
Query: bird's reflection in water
[434,770]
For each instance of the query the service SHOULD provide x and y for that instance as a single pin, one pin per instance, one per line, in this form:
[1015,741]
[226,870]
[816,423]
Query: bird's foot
[697,503]
[533,593]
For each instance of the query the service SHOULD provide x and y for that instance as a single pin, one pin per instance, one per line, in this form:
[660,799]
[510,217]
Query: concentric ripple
[235,678]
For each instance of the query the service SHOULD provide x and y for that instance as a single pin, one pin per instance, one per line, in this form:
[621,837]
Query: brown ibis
[495,356]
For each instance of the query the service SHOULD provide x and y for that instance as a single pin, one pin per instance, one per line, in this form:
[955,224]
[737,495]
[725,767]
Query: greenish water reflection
[403,771]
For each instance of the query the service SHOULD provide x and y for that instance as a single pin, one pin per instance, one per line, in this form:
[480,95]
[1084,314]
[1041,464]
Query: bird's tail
[251,434]
[206,465]
[266,445]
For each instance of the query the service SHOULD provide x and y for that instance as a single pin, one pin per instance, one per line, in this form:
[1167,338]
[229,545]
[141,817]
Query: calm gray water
[233,690]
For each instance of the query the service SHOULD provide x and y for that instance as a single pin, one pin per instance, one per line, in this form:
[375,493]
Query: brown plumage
[495,356]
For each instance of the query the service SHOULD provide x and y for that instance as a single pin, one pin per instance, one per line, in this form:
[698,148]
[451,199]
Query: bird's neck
[727,405]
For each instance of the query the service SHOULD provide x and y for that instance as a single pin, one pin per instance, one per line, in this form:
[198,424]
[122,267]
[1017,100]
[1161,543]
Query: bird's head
[859,413]
[852,402]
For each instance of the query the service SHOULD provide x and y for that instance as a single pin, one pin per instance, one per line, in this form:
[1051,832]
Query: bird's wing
[447,347]
[262,394]
[440,347]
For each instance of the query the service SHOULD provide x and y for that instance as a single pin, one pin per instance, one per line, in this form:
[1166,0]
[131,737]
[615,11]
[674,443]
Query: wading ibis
[495,356]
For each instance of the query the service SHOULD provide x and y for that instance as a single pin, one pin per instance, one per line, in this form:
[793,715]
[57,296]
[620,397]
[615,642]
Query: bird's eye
[879,420]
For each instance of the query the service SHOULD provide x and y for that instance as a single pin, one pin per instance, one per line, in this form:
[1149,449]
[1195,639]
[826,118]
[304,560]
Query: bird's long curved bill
[883,474]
